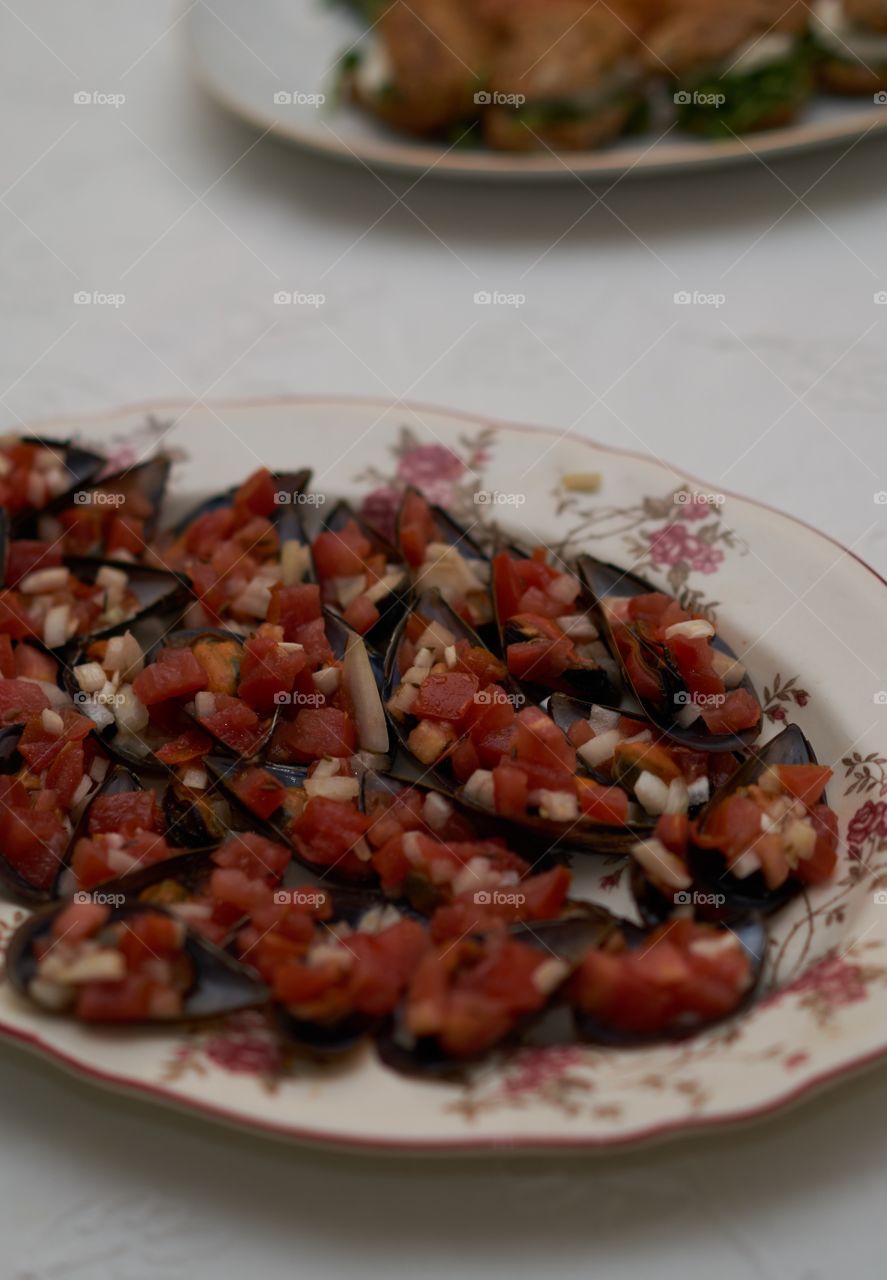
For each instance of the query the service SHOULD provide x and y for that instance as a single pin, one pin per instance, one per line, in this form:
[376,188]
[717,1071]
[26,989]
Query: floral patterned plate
[811,619]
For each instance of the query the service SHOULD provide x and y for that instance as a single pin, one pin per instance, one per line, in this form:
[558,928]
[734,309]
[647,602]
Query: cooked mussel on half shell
[108,962]
[683,674]
[114,517]
[362,576]
[489,989]
[456,710]
[445,557]
[36,471]
[547,631]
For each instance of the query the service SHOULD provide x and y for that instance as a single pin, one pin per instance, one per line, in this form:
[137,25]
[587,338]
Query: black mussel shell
[116,781]
[607,580]
[291,484]
[144,482]
[156,590]
[391,606]
[751,934]
[223,772]
[82,466]
[708,866]
[434,608]
[220,983]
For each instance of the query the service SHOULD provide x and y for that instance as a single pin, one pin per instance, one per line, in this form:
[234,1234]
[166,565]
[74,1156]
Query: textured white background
[779,393]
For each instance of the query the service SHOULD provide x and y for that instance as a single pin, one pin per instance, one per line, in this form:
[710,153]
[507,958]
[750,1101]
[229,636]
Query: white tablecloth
[772,384]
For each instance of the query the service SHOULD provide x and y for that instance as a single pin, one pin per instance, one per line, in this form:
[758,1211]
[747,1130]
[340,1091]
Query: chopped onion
[599,748]
[692,629]
[332,788]
[57,697]
[52,722]
[55,626]
[383,587]
[728,669]
[130,713]
[197,779]
[44,580]
[124,655]
[479,789]
[295,561]
[558,806]
[652,793]
[678,797]
[661,864]
[326,681]
[348,589]
[204,704]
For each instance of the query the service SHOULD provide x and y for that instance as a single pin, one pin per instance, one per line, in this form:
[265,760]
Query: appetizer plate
[274,63]
[808,617]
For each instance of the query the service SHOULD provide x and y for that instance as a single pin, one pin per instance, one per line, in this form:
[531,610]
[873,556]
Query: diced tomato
[511,791]
[125,812]
[673,830]
[257,493]
[294,606]
[268,672]
[186,747]
[316,732]
[125,533]
[819,867]
[26,557]
[79,920]
[254,854]
[464,759]
[20,699]
[507,586]
[14,619]
[327,830]
[805,781]
[361,614]
[65,774]
[447,695]
[479,662]
[175,673]
[7,658]
[39,747]
[416,528]
[545,894]
[235,724]
[608,805]
[738,711]
[33,843]
[260,791]
[542,661]
[31,664]
[733,825]
[341,554]
[128,1000]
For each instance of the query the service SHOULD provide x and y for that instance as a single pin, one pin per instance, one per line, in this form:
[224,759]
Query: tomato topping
[260,791]
[314,733]
[445,696]
[175,673]
[361,614]
[125,812]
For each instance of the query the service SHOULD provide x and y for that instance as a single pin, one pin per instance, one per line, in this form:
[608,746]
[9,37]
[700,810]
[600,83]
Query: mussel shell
[290,483]
[116,781]
[221,984]
[392,606]
[148,479]
[567,939]
[708,866]
[82,465]
[591,684]
[432,606]
[156,590]
[11,879]
[608,581]
[221,770]
[751,933]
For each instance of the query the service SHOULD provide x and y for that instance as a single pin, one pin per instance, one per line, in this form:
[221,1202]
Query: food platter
[821,1013]
[243,57]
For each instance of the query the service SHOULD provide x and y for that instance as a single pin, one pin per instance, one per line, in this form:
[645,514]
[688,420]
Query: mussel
[445,557]
[345,585]
[209,981]
[750,893]
[653,674]
[604,1016]
[72,466]
[545,653]
[113,515]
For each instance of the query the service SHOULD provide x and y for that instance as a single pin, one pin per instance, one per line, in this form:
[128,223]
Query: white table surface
[779,394]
